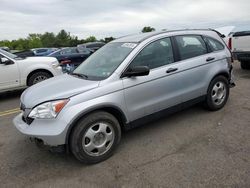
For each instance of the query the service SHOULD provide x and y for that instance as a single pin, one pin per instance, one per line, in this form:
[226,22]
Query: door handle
[210,59]
[171,70]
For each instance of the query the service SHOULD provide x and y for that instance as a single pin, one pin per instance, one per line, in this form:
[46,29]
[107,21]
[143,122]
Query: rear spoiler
[220,34]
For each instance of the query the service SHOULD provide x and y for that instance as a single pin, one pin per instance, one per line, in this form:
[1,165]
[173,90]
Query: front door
[145,95]
[9,75]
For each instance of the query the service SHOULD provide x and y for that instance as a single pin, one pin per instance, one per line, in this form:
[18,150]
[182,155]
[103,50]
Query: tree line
[49,39]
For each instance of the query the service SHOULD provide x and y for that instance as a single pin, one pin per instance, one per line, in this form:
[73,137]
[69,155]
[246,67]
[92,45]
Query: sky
[104,18]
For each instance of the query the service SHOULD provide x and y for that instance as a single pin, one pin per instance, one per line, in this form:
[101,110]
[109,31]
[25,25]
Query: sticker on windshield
[129,45]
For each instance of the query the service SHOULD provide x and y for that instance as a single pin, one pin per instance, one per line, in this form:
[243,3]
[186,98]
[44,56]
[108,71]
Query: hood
[58,87]
[38,60]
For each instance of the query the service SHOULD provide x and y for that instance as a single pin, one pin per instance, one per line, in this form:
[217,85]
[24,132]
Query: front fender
[25,71]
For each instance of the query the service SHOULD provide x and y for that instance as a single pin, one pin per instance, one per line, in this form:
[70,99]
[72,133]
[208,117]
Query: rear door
[194,58]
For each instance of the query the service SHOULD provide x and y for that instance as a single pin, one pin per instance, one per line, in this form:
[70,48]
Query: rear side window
[156,54]
[213,44]
[190,46]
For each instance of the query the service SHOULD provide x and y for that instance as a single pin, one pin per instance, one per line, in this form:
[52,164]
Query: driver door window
[156,54]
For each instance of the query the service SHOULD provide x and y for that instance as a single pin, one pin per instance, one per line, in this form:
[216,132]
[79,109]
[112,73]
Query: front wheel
[38,77]
[95,137]
[217,94]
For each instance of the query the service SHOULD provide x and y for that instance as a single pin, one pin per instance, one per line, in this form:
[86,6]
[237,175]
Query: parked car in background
[17,73]
[5,48]
[93,46]
[129,81]
[239,44]
[24,53]
[35,52]
[71,57]
[43,51]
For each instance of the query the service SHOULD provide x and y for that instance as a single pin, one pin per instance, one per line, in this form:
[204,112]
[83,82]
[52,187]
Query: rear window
[214,44]
[190,46]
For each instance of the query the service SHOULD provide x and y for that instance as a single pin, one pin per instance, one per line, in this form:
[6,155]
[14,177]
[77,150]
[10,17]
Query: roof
[137,38]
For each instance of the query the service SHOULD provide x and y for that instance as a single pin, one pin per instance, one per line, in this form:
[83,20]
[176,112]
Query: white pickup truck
[239,44]
[17,73]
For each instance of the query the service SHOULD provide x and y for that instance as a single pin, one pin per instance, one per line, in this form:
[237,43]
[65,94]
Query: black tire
[210,102]
[245,65]
[34,78]
[78,137]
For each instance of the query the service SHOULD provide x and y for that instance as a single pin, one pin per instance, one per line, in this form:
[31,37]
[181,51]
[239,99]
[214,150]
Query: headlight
[55,64]
[48,110]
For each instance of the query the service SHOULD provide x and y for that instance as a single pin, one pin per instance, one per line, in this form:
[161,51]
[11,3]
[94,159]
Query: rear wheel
[245,65]
[95,137]
[38,77]
[217,94]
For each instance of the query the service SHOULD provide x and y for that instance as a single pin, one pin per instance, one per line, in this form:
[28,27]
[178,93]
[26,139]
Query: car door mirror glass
[136,71]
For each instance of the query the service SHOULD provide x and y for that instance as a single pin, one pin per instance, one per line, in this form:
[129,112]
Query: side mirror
[6,61]
[136,71]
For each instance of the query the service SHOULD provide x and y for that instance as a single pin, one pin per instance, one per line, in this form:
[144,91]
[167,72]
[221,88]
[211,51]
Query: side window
[213,44]
[190,46]
[66,51]
[156,54]
[41,50]
[74,51]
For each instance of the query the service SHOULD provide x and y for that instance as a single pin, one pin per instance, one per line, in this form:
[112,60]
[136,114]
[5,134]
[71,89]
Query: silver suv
[127,82]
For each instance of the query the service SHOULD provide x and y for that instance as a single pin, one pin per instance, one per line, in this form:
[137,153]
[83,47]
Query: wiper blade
[80,75]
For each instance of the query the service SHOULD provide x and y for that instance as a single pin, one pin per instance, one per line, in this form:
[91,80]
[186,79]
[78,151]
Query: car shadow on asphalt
[130,136]
[10,94]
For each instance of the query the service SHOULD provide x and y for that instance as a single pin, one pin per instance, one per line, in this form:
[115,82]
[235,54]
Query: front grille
[22,107]
[26,112]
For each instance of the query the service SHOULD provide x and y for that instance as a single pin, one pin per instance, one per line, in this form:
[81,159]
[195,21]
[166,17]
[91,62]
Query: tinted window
[9,55]
[214,44]
[41,50]
[68,51]
[190,46]
[156,54]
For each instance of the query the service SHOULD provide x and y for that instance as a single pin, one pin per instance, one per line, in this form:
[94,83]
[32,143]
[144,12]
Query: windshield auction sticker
[129,45]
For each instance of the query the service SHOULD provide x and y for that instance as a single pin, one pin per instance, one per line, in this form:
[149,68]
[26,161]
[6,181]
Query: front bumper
[51,132]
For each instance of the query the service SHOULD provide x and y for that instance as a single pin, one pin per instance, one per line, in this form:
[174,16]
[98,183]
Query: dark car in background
[43,51]
[71,57]
[36,52]
[93,46]
[5,48]
[24,53]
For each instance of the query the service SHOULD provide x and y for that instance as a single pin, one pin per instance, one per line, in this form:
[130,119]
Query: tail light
[65,62]
[230,43]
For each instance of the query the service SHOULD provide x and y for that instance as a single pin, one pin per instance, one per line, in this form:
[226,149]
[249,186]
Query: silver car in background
[125,83]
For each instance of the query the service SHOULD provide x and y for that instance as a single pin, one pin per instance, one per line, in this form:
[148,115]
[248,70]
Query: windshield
[9,55]
[103,62]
